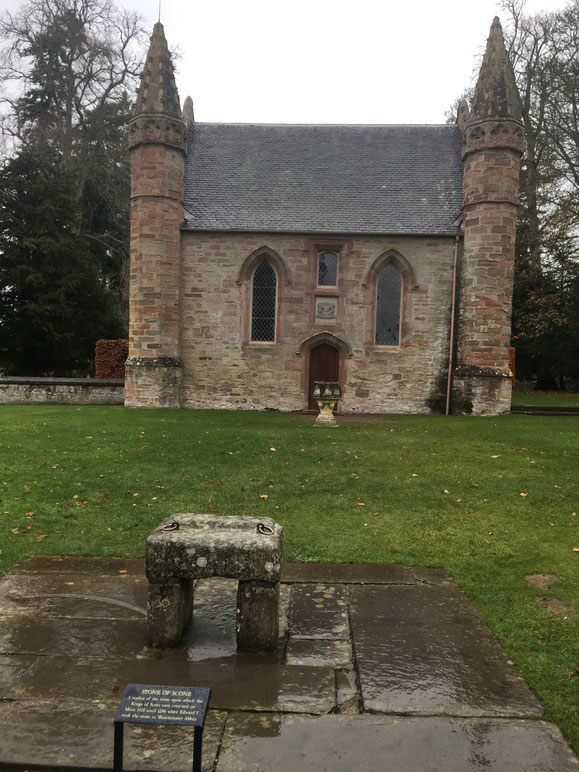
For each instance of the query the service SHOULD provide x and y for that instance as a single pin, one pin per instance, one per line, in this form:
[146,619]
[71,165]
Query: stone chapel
[265,257]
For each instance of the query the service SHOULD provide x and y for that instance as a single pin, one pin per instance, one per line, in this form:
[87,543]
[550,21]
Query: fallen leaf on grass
[29,514]
[575,549]
[42,536]
[15,530]
[475,485]
[523,494]
[122,570]
[263,496]
[494,456]
[446,491]
[574,672]
[550,523]
[272,449]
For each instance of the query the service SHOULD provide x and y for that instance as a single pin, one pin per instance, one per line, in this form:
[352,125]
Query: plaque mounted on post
[167,705]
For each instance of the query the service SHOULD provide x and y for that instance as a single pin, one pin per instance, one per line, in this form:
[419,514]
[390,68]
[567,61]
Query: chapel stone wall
[223,369]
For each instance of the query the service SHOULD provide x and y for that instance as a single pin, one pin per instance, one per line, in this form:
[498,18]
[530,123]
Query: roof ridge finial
[496,94]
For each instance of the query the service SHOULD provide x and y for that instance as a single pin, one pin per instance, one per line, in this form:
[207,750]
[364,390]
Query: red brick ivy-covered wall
[110,357]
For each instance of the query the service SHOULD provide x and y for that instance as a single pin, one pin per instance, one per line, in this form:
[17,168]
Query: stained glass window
[388,294]
[263,302]
[327,269]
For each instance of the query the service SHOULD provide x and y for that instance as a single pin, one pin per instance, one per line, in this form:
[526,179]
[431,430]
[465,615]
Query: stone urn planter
[327,394]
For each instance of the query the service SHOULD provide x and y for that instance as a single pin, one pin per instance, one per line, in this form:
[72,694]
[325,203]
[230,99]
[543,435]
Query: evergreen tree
[69,65]
[53,305]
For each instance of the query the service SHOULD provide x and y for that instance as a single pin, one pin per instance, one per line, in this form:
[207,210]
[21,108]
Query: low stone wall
[61,391]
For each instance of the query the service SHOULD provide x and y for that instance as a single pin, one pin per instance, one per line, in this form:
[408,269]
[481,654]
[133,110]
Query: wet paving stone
[12,667]
[72,637]
[369,743]
[426,575]
[346,573]
[80,735]
[319,611]
[73,595]
[302,651]
[420,646]
[46,564]
[212,631]
[348,697]
[424,649]
[244,683]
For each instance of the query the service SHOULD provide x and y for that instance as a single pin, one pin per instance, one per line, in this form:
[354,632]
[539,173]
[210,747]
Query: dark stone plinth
[202,546]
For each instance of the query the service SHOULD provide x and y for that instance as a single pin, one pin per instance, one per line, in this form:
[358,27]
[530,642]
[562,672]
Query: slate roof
[323,179]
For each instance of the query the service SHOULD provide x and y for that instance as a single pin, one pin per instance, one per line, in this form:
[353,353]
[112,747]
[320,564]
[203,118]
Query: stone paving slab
[426,575]
[347,573]
[12,667]
[85,637]
[369,743]
[303,651]
[241,684]
[416,645]
[105,597]
[425,650]
[319,611]
[53,734]
[80,565]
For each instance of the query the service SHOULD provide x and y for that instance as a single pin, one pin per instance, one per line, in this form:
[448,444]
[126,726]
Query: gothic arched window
[263,302]
[388,301]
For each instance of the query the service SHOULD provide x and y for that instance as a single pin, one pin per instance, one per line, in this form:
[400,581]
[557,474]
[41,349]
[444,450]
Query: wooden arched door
[324,366]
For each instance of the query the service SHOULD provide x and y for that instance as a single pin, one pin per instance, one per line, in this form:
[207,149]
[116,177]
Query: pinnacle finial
[158,91]
[496,94]
[188,116]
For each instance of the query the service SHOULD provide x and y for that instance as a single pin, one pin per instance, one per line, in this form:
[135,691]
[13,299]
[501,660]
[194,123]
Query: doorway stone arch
[324,356]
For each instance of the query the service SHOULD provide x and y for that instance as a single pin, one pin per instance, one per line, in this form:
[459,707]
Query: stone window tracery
[263,302]
[388,306]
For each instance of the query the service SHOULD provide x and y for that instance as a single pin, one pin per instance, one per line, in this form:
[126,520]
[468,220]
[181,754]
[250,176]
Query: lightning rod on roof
[159,10]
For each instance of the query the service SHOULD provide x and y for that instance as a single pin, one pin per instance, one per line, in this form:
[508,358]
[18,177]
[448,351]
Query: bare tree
[62,64]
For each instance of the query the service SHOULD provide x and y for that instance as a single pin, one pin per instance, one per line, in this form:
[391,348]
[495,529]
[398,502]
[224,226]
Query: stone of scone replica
[186,547]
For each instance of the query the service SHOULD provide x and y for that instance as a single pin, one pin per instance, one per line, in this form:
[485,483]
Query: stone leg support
[257,616]
[169,609]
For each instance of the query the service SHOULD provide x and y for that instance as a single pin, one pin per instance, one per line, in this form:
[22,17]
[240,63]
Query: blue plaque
[158,704]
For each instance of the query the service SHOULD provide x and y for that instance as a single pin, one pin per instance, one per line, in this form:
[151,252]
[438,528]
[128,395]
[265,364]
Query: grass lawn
[488,499]
[546,398]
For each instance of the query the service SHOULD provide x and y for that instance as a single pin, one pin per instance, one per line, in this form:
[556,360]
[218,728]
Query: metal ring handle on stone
[174,526]
[264,530]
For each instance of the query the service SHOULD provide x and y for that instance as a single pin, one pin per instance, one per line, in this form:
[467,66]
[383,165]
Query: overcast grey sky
[324,61]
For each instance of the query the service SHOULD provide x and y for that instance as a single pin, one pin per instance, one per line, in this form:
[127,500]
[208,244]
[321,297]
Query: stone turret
[157,144]
[492,146]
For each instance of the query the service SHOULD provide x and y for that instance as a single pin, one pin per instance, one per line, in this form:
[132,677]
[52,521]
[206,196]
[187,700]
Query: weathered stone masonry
[228,371]
[210,201]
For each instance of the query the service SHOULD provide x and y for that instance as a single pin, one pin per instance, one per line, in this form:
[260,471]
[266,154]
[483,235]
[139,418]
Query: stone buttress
[157,143]
[492,146]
